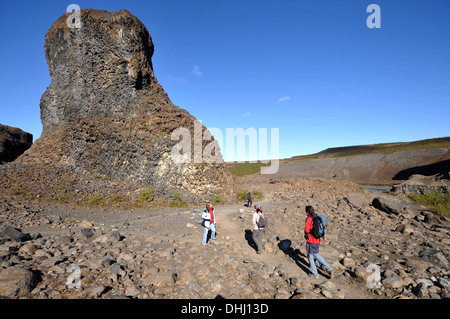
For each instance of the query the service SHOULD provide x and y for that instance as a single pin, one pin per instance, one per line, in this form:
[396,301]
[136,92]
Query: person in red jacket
[312,244]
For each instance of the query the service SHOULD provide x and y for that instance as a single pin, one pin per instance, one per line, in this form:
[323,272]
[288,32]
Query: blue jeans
[205,233]
[312,250]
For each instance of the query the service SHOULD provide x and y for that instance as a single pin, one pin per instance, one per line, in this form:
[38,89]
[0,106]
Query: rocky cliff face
[105,113]
[102,68]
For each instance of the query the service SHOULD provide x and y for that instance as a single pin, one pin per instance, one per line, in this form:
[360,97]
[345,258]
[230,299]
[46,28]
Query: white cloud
[196,71]
[246,114]
[176,79]
[284,98]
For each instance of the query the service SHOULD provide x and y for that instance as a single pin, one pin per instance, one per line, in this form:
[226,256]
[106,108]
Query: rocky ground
[51,250]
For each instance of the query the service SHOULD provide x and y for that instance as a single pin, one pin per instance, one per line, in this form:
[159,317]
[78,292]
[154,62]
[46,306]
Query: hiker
[312,244]
[258,228]
[249,199]
[209,222]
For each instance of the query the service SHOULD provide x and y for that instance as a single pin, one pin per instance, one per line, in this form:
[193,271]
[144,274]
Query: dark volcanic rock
[105,114]
[14,234]
[387,205]
[13,142]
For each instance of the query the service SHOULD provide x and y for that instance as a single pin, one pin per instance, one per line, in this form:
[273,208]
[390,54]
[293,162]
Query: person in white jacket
[257,230]
[209,222]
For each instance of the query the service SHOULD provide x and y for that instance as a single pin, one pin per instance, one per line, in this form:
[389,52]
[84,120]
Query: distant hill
[375,164]
[382,148]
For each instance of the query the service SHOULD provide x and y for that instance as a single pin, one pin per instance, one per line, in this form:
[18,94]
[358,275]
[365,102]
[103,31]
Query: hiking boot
[315,276]
[330,273]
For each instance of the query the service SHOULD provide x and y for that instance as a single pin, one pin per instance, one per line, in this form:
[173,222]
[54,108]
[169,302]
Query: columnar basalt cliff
[105,113]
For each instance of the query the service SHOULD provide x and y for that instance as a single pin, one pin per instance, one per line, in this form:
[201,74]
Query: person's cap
[258,207]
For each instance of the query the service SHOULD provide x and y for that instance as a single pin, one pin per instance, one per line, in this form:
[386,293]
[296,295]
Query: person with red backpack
[313,243]
[208,223]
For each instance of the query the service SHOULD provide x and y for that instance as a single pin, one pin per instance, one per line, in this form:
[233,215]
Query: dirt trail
[297,264]
[237,235]
[231,228]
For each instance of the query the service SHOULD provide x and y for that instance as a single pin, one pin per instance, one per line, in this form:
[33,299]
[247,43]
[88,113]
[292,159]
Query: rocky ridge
[420,184]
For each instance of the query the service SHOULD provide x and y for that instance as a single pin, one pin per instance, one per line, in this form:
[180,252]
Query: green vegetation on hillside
[246,168]
[438,201]
[147,195]
[242,194]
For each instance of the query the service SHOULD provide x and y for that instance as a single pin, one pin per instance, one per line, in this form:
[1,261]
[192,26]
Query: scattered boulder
[420,290]
[434,256]
[14,234]
[110,237]
[430,218]
[17,281]
[328,285]
[88,232]
[349,263]
[405,229]
[85,224]
[355,202]
[362,273]
[394,281]
[386,205]
[444,283]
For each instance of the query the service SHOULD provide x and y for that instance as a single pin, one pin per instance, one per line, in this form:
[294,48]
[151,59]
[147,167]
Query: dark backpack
[261,223]
[319,225]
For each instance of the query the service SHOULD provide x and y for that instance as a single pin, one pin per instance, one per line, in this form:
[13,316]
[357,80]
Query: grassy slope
[241,169]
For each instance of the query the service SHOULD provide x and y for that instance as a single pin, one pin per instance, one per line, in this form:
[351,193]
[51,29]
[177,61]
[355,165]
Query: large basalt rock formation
[13,143]
[105,113]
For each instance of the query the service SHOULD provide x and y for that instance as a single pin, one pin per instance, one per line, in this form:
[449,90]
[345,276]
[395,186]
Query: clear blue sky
[313,69]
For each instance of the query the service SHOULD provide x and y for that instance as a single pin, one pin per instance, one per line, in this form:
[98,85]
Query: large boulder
[17,282]
[13,233]
[434,255]
[388,205]
[105,114]
[13,143]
